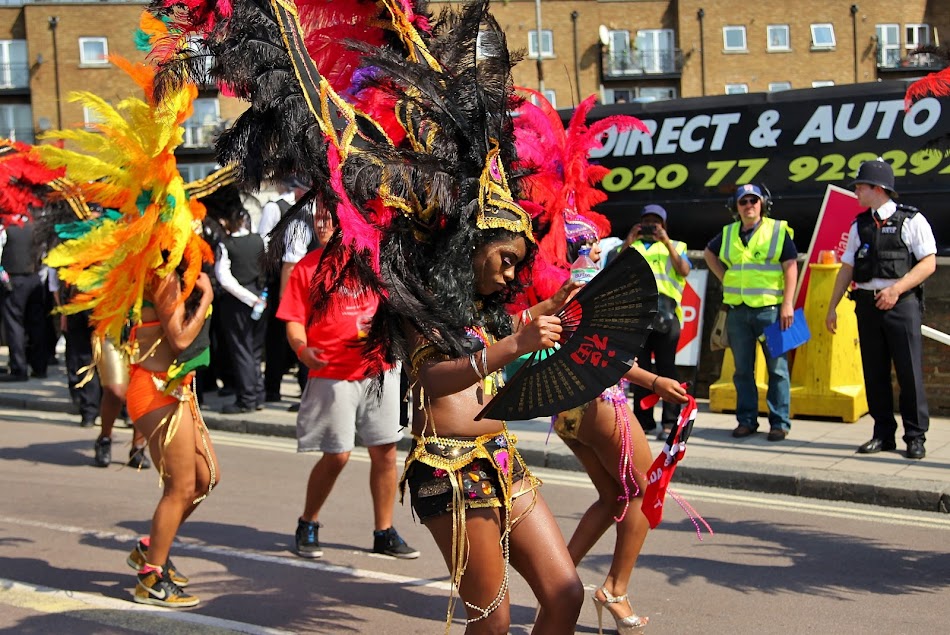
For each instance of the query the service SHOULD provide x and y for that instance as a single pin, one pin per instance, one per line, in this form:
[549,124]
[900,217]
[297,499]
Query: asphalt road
[774,565]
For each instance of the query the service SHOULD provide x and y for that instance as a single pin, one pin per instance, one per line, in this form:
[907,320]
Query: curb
[921,495]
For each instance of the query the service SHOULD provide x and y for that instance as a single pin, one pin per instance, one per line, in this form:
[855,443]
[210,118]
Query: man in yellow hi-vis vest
[670,265]
[755,259]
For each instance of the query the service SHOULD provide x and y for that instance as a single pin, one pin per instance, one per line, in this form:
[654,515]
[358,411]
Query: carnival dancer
[139,266]
[407,138]
[615,454]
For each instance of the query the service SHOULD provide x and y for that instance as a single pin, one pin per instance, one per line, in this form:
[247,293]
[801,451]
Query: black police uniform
[23,305]
[891,335]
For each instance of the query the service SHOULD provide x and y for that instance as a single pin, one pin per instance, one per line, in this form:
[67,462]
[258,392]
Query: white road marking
[814,507]
[110,611]
[580,480]
[243,554]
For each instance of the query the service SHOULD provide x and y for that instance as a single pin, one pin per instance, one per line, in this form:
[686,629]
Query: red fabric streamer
[661,472]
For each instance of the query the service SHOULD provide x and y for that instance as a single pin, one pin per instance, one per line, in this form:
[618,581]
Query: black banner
[794,142]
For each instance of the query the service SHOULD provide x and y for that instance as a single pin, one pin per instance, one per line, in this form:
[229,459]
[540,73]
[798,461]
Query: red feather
[933,85]
[562,180]
[23,182]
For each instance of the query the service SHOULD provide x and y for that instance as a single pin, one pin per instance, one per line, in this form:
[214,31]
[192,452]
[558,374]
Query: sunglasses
[748,201]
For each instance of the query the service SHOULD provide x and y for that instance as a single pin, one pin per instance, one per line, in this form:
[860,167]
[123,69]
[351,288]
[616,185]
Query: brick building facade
[621,50]
[661,49]
[49,49]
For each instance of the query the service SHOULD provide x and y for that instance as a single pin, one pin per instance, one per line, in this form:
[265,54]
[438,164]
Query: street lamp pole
[702,50]
[854,35]
[537,10]
[577,66]
[53,23]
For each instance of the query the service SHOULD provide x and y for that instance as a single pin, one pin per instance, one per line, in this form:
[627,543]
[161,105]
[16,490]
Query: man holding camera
[756,261]
[670,266]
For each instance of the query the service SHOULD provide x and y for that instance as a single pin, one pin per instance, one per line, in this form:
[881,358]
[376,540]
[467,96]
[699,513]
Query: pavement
[817,459]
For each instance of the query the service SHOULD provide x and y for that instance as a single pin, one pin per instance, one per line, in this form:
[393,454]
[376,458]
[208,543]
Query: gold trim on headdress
[497,208]
[211,183]
[72,194]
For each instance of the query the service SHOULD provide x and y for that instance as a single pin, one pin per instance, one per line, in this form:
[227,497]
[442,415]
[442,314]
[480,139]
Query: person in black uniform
[891,251]
[84,391]
[278,357]
[238,270]
[23,303]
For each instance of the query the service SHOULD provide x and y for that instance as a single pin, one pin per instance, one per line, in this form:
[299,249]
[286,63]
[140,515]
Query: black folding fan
[605,326]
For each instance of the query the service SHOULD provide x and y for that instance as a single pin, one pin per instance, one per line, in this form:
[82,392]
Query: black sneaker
[308,543]
[103,449]
[157,588]
[138,460]
[390,543]
[137,560]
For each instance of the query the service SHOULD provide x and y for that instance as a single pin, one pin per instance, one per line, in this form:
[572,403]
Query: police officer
[756,261]
[23,305]
[670,266]
[891,251]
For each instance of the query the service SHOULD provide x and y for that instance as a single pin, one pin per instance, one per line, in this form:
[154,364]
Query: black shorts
[480,480]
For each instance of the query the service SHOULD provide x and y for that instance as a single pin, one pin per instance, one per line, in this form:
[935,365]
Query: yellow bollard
[827,379]
[722,394]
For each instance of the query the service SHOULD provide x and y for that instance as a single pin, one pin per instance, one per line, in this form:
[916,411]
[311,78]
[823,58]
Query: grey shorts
[333,411]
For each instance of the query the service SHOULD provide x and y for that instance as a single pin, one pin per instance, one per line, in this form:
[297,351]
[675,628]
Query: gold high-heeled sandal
[625,625]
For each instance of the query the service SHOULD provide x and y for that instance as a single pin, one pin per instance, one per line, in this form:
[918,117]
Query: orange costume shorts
[145,392]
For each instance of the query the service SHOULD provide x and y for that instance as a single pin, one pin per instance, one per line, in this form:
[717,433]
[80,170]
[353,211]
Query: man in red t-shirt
[338,403]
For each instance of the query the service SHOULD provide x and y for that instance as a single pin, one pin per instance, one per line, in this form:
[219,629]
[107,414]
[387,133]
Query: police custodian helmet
[876,172]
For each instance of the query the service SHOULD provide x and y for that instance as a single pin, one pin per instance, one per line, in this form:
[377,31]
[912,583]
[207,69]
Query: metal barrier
[934,334]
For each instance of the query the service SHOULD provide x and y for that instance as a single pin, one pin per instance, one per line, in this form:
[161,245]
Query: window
[778,38]
[620,58]
[822,83]
[656,93]
[14,70]
[656,51]
[201,127]
[822,36]
[775,87]
[733,38]
[737,89]
[194,171]
[547,43]
[93,51]
[90,117]
[16,122]
[549,95]
[888,45]
[619,96]
[917,35]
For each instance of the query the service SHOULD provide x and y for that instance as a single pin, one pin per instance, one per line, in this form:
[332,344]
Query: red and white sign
[694,294]
[838,210]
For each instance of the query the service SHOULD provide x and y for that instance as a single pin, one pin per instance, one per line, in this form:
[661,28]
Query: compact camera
[647,230]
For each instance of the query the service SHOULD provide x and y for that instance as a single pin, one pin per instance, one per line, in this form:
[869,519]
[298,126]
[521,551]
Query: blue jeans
[745,325]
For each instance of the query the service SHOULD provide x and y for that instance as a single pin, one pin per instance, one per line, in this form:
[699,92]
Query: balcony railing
[632,62]
[14,76]
[200,135]
[891,60]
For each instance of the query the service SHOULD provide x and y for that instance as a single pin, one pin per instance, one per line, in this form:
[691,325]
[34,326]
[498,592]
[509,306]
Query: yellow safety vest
[668,281]
[754,274]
